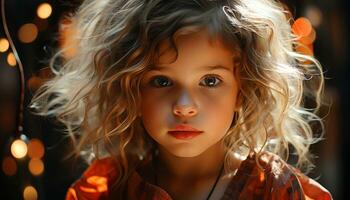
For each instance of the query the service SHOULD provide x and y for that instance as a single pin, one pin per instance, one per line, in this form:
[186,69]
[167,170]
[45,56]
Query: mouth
[184,135]
[184,132]
[185,127]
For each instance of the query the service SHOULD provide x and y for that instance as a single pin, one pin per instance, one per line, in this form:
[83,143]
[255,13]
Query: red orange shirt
[278,180]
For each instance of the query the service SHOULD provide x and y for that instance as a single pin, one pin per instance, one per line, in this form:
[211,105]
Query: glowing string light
[35,148]
[36,166]
[11,60]
[4,44]
[44,10]
[30,193]
[9,166]
[27,33]
[19,149]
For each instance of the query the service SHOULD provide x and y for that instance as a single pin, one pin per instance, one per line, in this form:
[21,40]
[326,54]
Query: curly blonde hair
[96,94]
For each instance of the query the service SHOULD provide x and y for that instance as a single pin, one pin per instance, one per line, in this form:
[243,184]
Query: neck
[205,165]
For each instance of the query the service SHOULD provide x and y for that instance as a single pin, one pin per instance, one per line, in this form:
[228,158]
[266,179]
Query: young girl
[187,99]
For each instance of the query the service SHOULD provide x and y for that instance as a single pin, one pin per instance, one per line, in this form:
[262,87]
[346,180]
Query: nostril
[184,111]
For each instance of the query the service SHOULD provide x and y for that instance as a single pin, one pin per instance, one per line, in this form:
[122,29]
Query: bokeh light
[302,27]
[305,49]
[36,166]
[35,148]
[11,59]
[9,166]
[19,149]
[4,44]
[34,82]
[27,33]
[44,10]
[314,14]
[30,193]
[309,39]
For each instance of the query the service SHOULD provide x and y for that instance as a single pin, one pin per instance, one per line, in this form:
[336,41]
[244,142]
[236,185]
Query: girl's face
[199,89]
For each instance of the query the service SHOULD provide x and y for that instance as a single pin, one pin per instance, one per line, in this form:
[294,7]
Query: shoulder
[284,180]
[94,182]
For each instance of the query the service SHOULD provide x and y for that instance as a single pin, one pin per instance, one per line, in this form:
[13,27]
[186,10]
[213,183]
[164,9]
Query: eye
[160,81]
[211,81]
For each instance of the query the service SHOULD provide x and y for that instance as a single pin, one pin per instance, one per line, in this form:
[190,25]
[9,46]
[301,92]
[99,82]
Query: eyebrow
[214,67]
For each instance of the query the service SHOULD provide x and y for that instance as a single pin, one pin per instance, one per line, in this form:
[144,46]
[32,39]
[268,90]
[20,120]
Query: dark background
[331,48]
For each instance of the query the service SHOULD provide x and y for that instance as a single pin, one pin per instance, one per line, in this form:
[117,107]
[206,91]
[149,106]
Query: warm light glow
[19,149]
[262,176]
[34,82]
[4,44]
[9,166]
[315,15]
[11,60]
[99,181]
[35,148]
[36,166]
[27,33]
[309,39]
[68,43]
[44,10]
[305,49]
[302,27]
[30,193]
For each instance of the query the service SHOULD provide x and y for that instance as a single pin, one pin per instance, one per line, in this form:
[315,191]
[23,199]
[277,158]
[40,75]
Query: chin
[186,152]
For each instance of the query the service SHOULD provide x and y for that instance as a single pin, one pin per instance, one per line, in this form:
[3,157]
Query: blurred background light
[67,42]
[11,60]
[314,14]
[27,33]
[36,166]
[302,27]
[9,166]
[44,10]
[35,149]
[304,49]
[30,193]
[34,82]
[19,149]
[4,45]
[308,40]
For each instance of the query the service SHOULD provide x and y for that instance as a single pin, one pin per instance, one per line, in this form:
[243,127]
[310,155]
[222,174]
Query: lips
[185,127]
[183,131]
[184,135]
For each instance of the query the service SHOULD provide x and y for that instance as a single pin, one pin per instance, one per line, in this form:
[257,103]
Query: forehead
[195,49]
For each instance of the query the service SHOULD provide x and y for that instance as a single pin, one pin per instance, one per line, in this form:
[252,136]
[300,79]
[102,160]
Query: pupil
[211,81]
[162,81]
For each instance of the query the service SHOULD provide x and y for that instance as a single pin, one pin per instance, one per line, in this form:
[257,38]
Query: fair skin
[188,91]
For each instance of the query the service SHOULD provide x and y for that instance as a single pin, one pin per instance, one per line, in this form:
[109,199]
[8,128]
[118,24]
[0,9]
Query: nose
[184,107]
[185,111]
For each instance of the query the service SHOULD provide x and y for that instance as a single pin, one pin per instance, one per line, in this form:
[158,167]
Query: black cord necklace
[216,181]
[155,163]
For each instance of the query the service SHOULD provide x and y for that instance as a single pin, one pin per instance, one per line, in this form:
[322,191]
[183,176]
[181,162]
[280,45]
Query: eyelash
[152,81]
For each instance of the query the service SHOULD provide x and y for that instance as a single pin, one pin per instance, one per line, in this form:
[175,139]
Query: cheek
[152,105]
[219,110]
[153,113]
[222,101]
